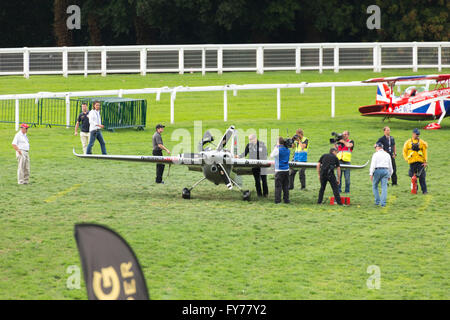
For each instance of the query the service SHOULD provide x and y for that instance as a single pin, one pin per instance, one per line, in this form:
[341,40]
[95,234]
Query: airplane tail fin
[383,93]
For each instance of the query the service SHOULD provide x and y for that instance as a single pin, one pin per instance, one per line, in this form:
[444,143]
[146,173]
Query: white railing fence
[174,90]
[221,58]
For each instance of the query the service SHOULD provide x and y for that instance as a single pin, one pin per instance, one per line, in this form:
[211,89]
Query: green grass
[215,246]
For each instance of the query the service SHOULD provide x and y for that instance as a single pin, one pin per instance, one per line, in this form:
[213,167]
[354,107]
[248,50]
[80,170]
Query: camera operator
[281,153]
[415,152]
[345,149]
[257,150]
[325,170]
[300,147]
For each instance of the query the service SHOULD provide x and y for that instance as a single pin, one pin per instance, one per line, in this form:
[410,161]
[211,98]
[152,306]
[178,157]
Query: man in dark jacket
[257,150]
[325,170]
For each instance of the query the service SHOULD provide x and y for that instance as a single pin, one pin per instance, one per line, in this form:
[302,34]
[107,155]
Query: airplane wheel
[186,193]
[246,195]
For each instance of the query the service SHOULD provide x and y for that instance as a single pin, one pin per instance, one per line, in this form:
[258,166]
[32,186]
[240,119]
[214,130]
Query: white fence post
[220,60]
[143,62]
[203,61]
[297,60]
[172,106]
[67,110]
[103,63]
[260,60]
[17,115]
[333,107]
[336,59]
[65,62]
[375,58]
[278,103]
[320,59]
[439,58]
[26,63]
[225,105]
[181,61]
[414,54]
[85,63]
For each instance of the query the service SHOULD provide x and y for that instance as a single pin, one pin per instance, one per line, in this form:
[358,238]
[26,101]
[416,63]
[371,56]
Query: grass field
[216,246]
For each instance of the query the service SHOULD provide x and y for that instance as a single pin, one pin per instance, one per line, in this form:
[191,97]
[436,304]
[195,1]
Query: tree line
[125,22]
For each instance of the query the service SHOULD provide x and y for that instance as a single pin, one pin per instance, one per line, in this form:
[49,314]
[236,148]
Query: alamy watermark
[74,279]
[374,281]
[74,20]
[374,21]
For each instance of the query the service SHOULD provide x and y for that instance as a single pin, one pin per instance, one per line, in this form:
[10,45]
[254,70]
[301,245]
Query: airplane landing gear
[186,193]
[246,195]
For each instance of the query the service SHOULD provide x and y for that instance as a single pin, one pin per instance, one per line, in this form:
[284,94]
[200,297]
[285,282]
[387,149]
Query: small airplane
[218,165]
[415,103]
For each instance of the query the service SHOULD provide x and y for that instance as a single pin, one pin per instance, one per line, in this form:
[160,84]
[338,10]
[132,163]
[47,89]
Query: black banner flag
[111,269]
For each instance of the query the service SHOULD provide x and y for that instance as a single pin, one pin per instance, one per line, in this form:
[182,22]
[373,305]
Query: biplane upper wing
[437,77]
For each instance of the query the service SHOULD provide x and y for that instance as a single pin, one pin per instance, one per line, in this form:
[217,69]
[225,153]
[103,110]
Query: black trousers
[159,167]
[301,176]
[331,178]
[281,185]
[394,171]
[418,169]
[258,179]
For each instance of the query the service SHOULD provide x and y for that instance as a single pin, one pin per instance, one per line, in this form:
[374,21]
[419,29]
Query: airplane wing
[402,115]
[153,159]
[437,77]
[243,166]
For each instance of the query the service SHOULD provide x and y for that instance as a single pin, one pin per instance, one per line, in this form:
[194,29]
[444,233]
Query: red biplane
[416,103]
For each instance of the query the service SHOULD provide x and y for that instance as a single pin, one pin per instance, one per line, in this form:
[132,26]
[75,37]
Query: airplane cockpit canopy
[413,91]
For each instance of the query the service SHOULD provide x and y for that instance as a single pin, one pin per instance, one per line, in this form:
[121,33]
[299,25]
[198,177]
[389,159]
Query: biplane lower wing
[400,115]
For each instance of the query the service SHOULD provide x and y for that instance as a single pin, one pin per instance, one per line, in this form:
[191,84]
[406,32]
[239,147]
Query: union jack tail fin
[383,94]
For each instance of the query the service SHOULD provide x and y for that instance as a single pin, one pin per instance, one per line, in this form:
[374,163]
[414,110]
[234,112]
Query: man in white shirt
[21,144]
[380,171]
[95,126]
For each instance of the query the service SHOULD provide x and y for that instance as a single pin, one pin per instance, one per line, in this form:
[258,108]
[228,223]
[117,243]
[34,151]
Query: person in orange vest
[415,153]
[345,149]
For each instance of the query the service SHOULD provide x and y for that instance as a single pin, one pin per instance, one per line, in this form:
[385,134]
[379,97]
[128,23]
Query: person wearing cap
[84,121]
[257,150]
[21,144]
[325,170]
[380,171]
[158,147]
[389,146]
[95,129]
[415,153]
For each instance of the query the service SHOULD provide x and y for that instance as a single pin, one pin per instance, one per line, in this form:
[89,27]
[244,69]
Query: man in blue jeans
[281,154]
[95,126]
[380,171]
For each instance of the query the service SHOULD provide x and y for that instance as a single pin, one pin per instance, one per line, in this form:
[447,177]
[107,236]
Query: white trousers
[84,136]
[23,170]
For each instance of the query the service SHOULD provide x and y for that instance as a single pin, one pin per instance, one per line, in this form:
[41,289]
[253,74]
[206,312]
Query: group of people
[382,168]
[90,124]
[285,176]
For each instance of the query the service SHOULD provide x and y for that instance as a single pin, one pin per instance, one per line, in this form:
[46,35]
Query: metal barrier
[116,112]
[224,57]
[119,113]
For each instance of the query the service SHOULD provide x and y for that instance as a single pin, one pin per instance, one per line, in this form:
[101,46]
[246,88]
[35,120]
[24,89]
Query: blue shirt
[282,158]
